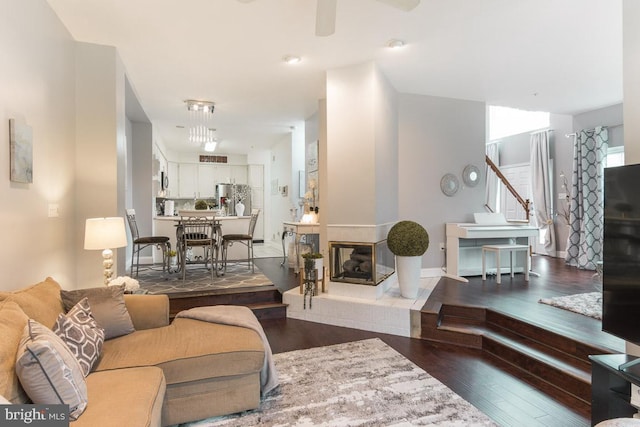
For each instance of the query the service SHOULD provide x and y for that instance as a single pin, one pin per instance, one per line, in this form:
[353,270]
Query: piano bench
[498,249]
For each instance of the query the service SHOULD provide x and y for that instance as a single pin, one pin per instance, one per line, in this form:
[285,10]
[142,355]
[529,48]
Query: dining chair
[245,239]
[198,231]
[139,243]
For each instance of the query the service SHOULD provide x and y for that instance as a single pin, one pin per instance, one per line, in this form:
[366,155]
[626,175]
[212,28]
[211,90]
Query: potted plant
[408,241]
[173,259]
[201,205]
[314,260]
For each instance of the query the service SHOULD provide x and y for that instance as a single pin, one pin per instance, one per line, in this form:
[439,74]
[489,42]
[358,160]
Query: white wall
[438,136]
[37,86]
[361,148]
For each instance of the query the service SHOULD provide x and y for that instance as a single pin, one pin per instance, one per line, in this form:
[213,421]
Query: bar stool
[498,249]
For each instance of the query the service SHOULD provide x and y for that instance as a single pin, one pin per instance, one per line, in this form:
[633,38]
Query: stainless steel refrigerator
[226,195]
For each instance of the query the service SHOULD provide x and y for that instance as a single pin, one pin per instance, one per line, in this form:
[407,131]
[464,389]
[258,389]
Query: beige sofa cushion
[124,397]
[107,307]
[187,350]
[41,302]
[12,323]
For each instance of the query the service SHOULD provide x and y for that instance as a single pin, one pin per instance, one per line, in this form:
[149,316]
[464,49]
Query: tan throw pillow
[80,332]
[41,302]
[12,323]
[107,307]
[48,371]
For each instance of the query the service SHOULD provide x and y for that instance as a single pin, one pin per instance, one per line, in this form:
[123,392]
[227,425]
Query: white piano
[465,240]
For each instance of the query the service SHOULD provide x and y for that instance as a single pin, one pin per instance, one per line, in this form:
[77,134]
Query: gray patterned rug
[587,304]
[361,383]
[198,278]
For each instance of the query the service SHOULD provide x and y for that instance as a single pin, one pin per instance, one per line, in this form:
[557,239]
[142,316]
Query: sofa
[158,373]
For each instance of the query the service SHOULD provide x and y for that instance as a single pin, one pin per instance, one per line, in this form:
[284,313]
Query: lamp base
[107,263]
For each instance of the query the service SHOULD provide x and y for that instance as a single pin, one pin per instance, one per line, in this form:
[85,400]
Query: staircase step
[269,311]
[556,360]
[237,296]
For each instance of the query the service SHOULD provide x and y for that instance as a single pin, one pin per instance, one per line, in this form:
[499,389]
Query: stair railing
[524,203]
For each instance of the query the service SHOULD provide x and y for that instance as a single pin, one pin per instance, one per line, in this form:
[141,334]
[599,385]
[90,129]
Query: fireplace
[360,263]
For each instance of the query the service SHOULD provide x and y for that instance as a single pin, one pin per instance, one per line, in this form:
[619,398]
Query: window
[615,157]
[504,121]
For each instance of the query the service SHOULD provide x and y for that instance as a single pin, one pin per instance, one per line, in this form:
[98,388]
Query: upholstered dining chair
[198,231]
[139,243]
[245,239]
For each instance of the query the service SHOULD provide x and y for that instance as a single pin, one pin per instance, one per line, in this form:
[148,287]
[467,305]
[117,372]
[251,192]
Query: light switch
[54,211]
[562,196]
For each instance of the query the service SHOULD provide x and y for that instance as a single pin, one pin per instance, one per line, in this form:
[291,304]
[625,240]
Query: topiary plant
[201,205]
[408,238]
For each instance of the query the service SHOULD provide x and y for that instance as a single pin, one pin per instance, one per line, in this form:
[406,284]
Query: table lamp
[105,233]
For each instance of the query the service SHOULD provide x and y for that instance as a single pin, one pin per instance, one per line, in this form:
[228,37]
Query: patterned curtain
[541,189]
[586,216]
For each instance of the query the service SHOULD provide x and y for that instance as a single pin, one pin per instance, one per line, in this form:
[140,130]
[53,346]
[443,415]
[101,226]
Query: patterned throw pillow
[81,333]
[48,372]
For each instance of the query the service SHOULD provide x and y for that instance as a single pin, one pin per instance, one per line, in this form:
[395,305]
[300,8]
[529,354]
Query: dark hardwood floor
[493,385]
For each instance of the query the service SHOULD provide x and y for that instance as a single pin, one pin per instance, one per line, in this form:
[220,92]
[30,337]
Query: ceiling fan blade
[326,17]
[406,5]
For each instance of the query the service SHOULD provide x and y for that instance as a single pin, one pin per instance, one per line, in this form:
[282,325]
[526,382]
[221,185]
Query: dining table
[167,226]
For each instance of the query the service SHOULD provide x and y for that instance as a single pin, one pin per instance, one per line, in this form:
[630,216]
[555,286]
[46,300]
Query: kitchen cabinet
[173,190]
[206,181]
[239,174]
[188,180]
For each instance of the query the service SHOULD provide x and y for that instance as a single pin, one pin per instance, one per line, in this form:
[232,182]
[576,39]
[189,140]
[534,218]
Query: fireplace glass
[360,263]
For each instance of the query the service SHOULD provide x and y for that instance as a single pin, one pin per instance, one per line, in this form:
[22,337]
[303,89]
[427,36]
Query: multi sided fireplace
[360,263]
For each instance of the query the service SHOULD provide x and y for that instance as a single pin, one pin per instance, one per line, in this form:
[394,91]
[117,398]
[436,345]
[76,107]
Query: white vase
[408,269]
[239,209]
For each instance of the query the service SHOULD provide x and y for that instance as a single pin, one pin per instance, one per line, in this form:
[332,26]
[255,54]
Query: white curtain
[541,189]
[492,184]
[586,215]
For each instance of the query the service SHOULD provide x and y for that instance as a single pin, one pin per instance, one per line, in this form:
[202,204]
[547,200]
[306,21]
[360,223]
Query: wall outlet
[54,211]
[442,246]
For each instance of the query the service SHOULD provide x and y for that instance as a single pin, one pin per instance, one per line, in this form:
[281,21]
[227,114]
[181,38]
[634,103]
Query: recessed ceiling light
[291,59]
[395,43]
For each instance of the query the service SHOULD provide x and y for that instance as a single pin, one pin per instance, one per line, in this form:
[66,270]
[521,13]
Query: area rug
[198,278]
[361,383]
[587,304]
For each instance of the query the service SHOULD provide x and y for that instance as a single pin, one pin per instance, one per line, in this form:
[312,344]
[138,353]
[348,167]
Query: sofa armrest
[148,311]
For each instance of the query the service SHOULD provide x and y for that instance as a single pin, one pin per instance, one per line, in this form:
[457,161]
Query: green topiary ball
[408,238]
[201,205]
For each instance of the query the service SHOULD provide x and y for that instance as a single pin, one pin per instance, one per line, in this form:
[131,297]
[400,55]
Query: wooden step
[248,296]
[556,360]
[265,311]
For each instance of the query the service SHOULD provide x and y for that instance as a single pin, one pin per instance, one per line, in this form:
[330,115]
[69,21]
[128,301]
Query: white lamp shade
[105,233]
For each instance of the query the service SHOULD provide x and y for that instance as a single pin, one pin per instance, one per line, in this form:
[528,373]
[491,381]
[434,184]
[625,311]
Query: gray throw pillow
[107,307]
[81,333]
[47,370]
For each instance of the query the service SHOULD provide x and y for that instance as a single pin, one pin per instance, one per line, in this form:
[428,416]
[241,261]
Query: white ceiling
[562,56]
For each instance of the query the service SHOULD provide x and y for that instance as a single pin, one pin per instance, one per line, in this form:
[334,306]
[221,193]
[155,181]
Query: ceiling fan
[326,13]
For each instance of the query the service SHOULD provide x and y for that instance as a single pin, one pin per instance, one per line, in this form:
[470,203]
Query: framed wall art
[21,157]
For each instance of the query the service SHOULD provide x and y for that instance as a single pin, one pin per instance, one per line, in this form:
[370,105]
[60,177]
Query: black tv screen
[621,257]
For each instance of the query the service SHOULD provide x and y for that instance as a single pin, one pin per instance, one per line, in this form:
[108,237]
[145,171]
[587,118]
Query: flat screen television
[621,253]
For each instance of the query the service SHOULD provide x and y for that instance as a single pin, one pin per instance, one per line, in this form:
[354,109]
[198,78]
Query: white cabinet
[188,184]
[239,174]
[206,181]
[173,174]
[223,174]
[189,180]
